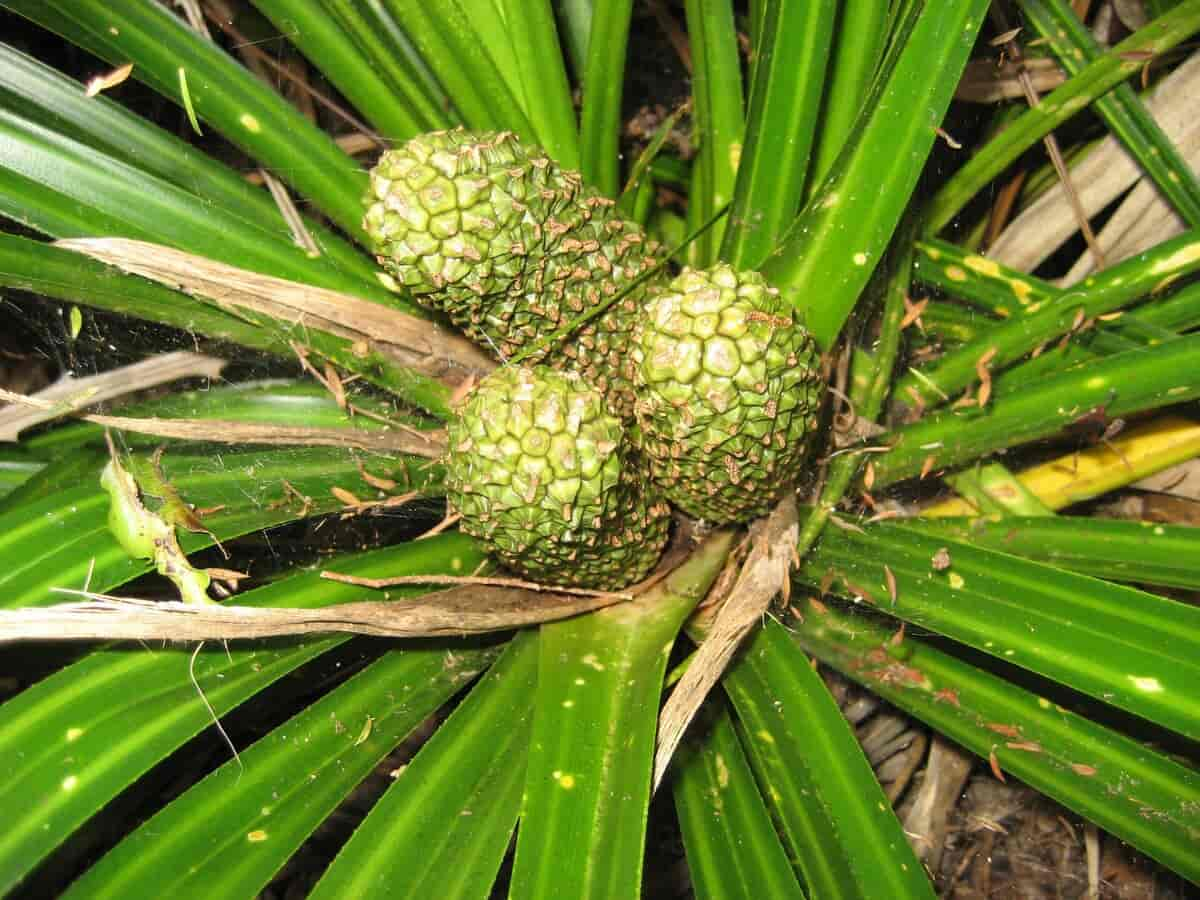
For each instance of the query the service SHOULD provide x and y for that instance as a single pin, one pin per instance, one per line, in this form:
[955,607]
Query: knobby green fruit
[493,233]
[541,473]
[729,389]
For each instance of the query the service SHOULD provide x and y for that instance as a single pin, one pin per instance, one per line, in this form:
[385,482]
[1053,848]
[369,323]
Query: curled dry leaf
[764,575]
[108,80]
[412,342]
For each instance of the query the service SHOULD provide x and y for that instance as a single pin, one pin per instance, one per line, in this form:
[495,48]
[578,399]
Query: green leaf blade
[833,814]
[587,787]
[1126,788]
[1133,650]
[102,722]
[827,256]
[732,847]
[228,834]
[443,828]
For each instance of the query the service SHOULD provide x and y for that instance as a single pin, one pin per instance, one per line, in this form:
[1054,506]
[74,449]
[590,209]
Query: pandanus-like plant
[479,297]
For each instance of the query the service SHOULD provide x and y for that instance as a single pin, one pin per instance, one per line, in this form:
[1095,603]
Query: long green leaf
[719,121]
[274,402]
[72,742]
[1139,795]
[530,25]
[587,787]
[73,179]
[832,812]
[829,253]
[859,41]
[63,540]
[29,265]
[321,38]
[230,833]
[733,850]
[450,46]
[1121,109]
[221,92]
[1133,650]
[1099,294]
[1125,383]
[1143,552]
[603,82]
[390,53]
[443,828]
[43,95]
[785,100]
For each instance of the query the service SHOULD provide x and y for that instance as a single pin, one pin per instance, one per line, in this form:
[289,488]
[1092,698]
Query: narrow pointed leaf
[1101,293]
[832,813]
[72,742]
[62,181]
[41,94]
[1119,63]
[443,828]
[1142,552]
[719,121]
[1126,788]
[824,260]
[220,91]
[321,38]
[539,59]
[587,787]
[1136,651]
[230,833]
[389,51]
[449,45]
[733,850]
[781,121]
[603,82]
[1125,383]
[63,540]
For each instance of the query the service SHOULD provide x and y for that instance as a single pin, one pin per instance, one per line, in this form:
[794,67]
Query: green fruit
[494,234]
[541,473]
[450,212]
[729,390]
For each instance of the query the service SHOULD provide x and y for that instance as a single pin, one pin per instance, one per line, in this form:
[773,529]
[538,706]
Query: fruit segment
[542,473]
[728,392]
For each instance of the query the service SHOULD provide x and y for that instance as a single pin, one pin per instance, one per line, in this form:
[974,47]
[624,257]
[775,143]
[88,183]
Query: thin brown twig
[291,215]
[676,36]
[456,580]
[1013,49]
[69,395]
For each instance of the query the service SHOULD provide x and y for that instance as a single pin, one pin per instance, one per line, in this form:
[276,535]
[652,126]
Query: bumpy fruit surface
[540,472]
[493,233]
[729,391]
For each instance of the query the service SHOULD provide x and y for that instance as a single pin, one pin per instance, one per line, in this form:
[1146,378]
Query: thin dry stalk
[69,394]
[430,444]
[459,611]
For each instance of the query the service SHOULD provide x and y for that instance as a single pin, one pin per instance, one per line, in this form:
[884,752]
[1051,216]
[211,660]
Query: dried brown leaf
[767,567]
